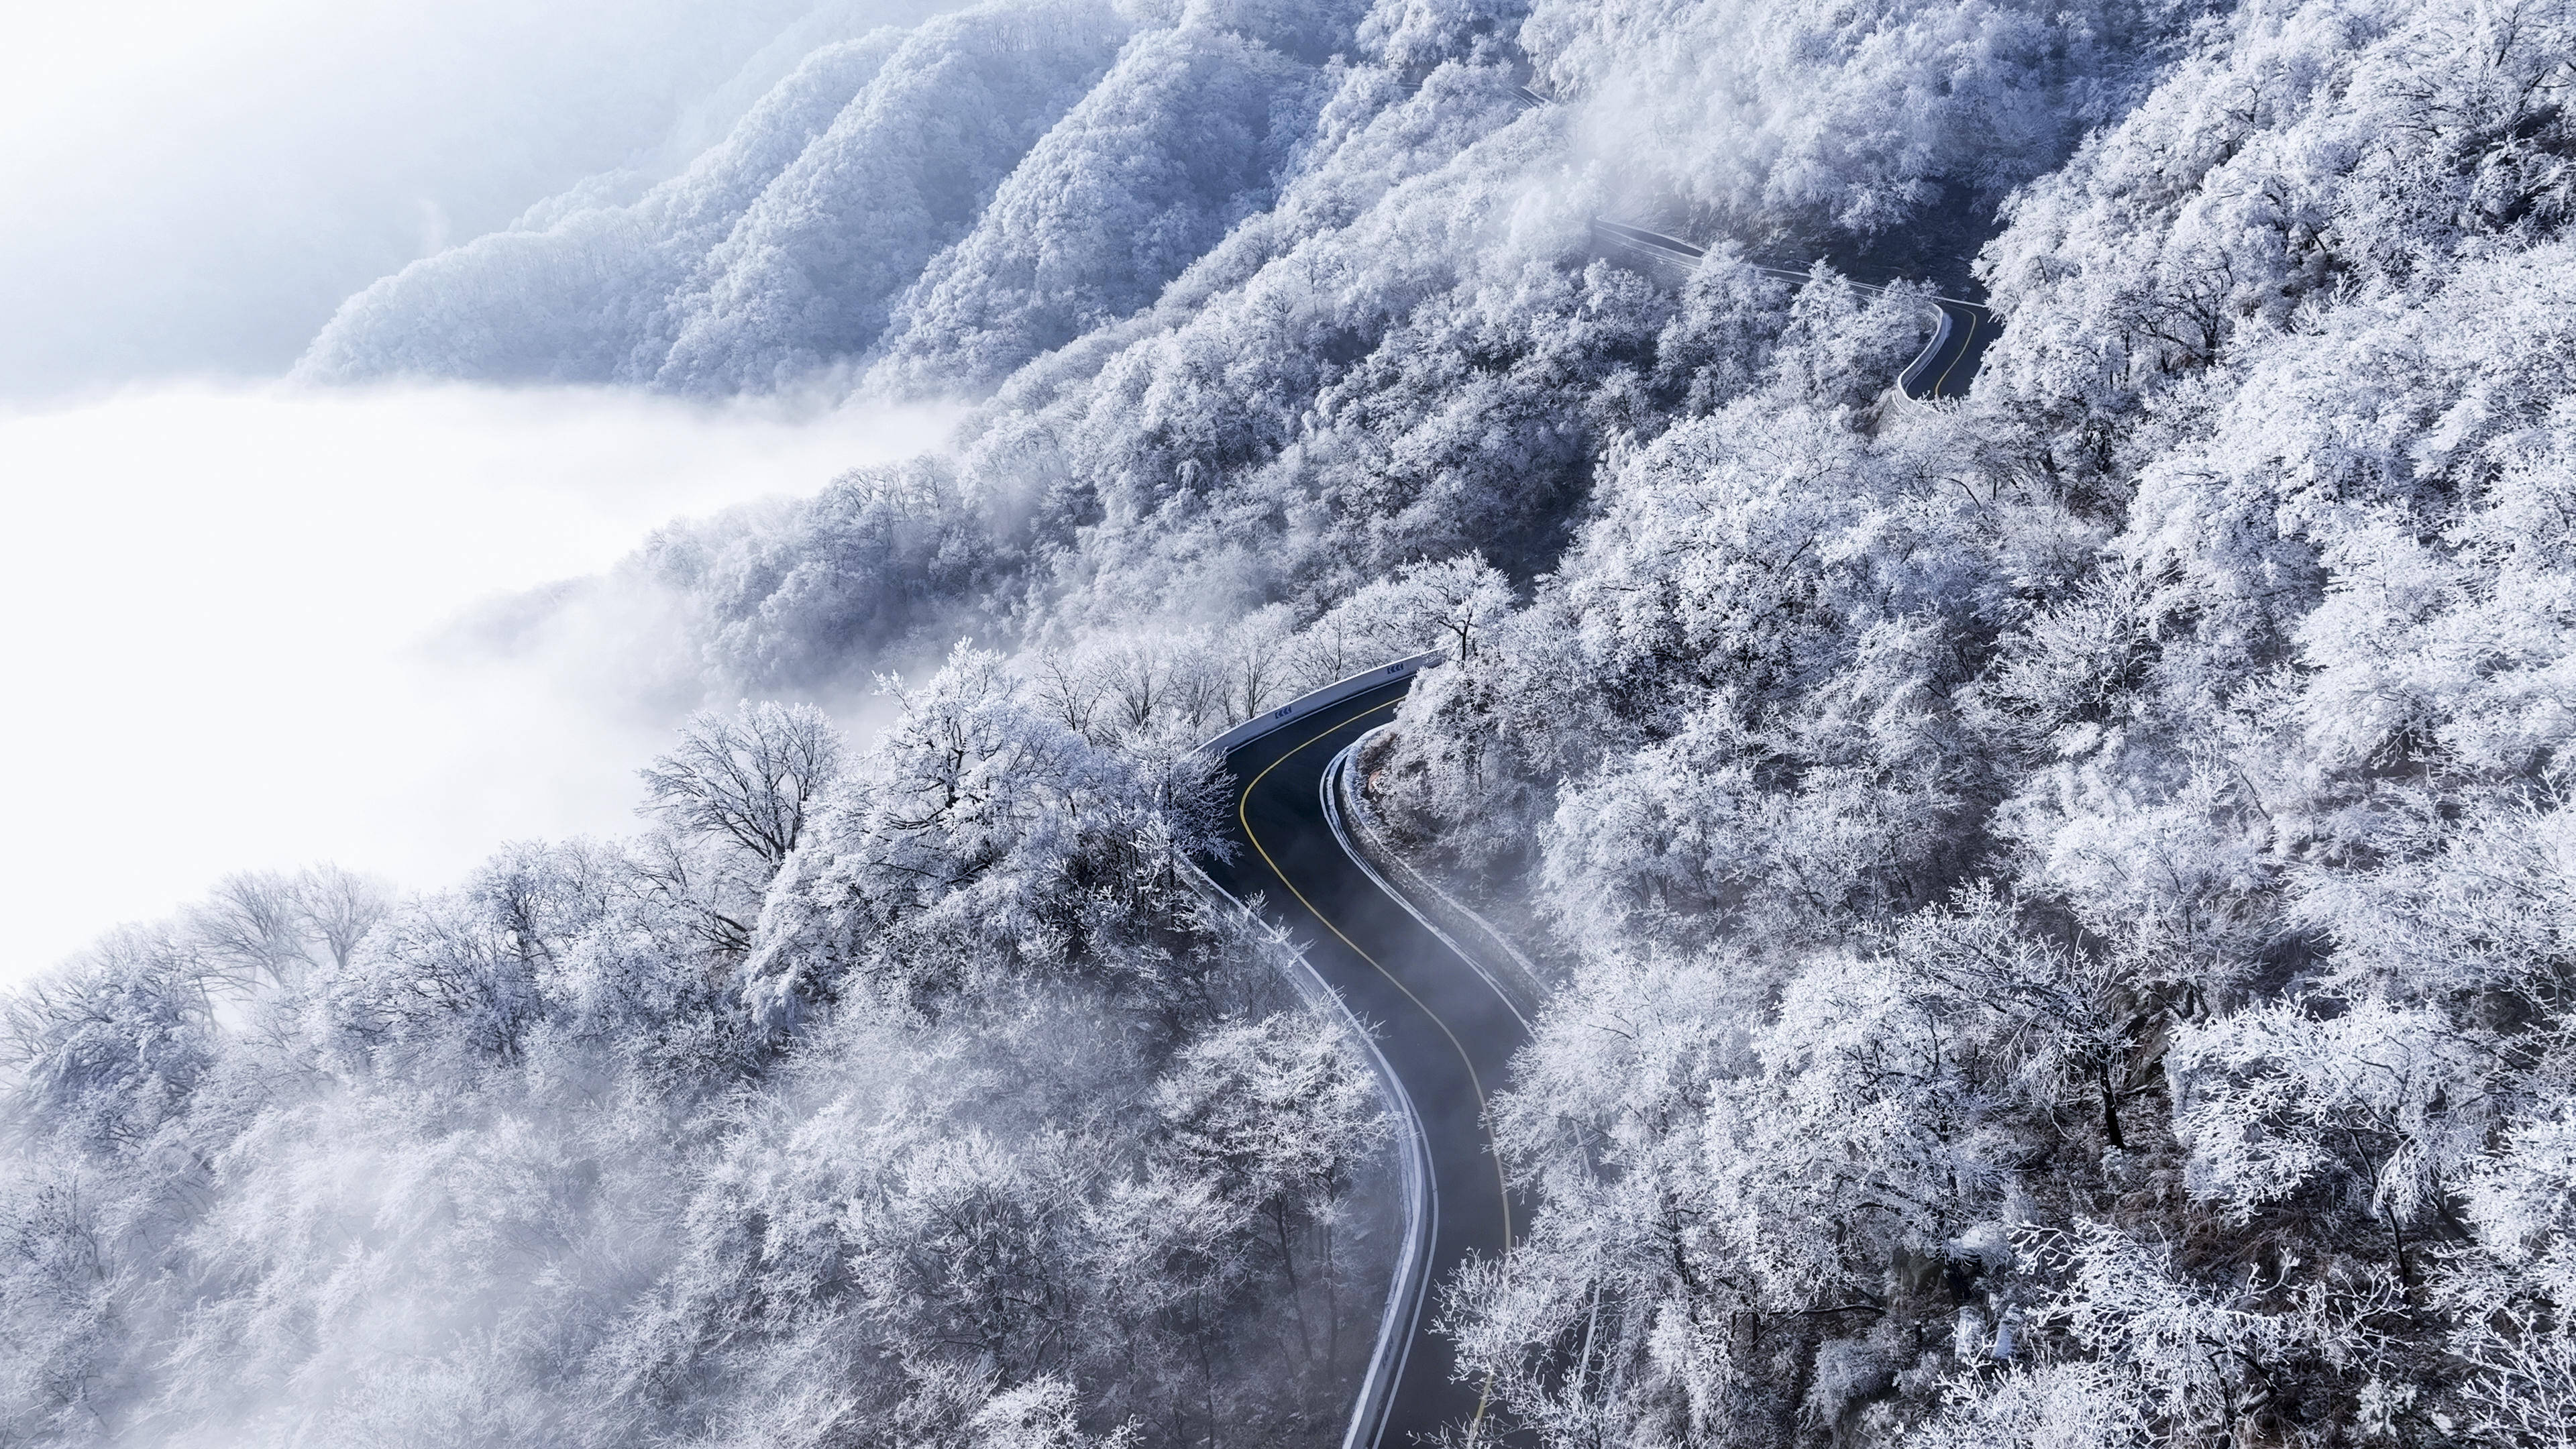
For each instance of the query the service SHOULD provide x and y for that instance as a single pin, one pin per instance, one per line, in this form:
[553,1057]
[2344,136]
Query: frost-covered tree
[751,777]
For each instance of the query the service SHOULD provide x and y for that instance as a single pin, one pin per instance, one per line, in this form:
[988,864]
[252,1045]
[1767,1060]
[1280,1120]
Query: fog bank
[222,597]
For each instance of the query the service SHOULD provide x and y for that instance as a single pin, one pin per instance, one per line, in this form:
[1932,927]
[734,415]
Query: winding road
[1945,367]
[1445,1034]
[1442,1033]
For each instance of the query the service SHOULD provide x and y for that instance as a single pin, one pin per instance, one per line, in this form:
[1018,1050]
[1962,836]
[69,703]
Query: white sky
[215,598]
[63,57]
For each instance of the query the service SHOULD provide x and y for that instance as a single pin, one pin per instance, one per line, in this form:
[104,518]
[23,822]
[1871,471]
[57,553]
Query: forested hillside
[2061,898]
[2069,897]
[980,1129]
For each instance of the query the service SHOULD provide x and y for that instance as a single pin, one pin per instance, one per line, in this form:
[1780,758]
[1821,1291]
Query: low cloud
[223,604]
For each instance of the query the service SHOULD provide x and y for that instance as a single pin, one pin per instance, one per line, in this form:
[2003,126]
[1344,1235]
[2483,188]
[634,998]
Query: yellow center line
[1243,813]
[1966,338]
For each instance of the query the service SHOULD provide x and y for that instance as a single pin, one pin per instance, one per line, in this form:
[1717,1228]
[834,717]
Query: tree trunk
[2110,1108]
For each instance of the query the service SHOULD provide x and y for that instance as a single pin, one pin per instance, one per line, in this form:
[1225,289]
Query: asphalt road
[1943,370]
[1946,369]
[1447,1035]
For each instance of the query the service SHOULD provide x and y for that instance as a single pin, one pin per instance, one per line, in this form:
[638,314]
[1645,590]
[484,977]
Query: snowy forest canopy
[2058,899]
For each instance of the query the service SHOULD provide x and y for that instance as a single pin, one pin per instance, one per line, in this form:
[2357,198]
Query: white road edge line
[1345,767]
[1365,827]
[1347,760]
[1406,1293]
